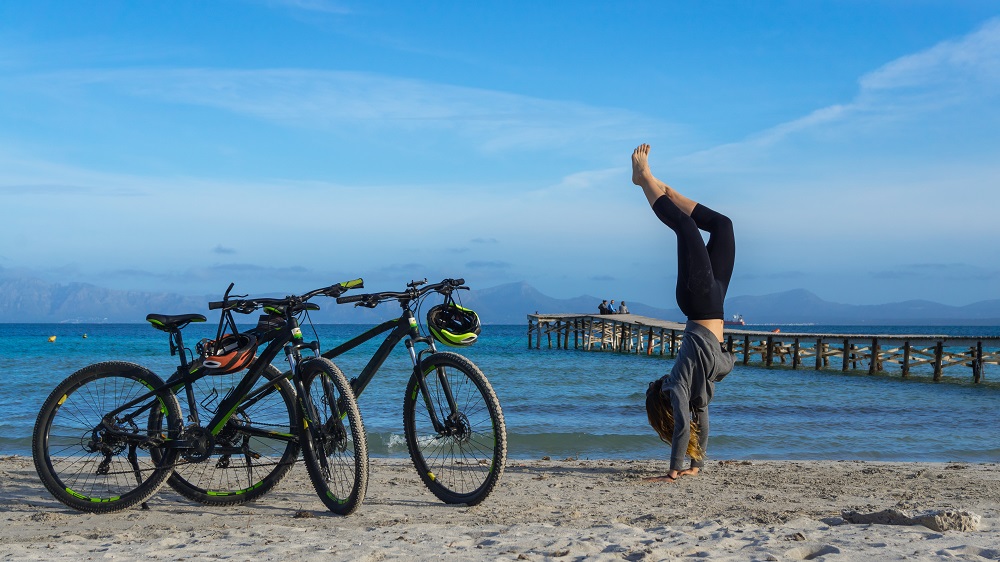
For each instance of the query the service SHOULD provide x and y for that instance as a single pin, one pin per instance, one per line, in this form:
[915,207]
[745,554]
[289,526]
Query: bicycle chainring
[200,444]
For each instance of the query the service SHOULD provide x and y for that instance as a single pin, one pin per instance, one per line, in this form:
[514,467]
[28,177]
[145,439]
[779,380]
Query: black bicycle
[112,433]
[452,420]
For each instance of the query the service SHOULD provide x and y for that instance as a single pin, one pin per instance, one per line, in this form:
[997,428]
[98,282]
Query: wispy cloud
[947,74]
[335,100]
[323,6]
[485,264]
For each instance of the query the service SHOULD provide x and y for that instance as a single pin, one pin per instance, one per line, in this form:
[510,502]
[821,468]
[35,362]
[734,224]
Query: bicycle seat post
[177,345]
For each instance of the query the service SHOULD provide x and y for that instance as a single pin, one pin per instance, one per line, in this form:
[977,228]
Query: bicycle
[93,453]
[452,420]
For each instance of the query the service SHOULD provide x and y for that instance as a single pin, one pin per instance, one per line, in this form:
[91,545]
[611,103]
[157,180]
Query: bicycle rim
[464,462]
[96,463]
[255,449]
[336,449]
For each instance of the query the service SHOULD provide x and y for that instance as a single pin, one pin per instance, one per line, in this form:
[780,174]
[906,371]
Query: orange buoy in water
[52,338]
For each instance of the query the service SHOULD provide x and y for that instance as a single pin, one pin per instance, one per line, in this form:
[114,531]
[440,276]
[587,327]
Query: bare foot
[640,164]
[652,187]
[641,175]
[666,478]
[693,471]
[669,477]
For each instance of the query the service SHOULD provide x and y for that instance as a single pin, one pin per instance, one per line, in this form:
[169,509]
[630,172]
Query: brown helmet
[229,354]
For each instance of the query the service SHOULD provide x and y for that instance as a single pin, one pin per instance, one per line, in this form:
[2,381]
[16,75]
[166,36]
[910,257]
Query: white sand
[563,510]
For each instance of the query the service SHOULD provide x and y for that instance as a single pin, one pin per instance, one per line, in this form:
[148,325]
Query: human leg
[721,243]
[652,187]
[697,293]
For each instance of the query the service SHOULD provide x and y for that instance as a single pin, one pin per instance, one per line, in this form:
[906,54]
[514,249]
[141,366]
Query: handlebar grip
[358,283]
[352,298]
[457,282]
[216,305]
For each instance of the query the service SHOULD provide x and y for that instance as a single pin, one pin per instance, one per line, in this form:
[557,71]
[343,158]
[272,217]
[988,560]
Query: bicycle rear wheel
[94,461]
[253,452]
[463,460]
[335,448]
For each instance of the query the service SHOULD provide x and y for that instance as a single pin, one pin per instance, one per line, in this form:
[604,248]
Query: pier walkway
[913,354]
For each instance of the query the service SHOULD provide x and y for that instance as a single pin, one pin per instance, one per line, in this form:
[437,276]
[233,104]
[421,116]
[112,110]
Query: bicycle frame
[183,377]
[404,327]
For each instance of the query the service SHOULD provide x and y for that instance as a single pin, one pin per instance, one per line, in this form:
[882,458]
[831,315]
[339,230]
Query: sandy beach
[543,509]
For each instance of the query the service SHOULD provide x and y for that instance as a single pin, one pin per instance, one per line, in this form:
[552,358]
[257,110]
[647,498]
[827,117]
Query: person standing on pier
[677,404]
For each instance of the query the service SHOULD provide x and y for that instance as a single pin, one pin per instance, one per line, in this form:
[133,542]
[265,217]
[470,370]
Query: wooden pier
[914,354]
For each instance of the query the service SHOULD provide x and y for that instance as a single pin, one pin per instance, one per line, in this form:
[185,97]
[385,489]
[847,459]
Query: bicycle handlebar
[249,305]
[371,300]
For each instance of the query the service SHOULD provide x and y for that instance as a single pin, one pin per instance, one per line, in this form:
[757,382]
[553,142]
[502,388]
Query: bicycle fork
[450,425]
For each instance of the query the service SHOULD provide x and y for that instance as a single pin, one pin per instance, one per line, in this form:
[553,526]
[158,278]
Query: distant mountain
[31,300]
[801,306]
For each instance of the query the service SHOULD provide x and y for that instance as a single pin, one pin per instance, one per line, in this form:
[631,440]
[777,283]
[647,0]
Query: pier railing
[912,354]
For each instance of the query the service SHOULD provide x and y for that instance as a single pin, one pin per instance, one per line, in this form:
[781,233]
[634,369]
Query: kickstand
[133,459]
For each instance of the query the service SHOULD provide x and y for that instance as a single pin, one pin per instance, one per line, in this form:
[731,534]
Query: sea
[569,404]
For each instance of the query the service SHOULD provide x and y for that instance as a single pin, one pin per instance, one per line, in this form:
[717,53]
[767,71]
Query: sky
[288,144]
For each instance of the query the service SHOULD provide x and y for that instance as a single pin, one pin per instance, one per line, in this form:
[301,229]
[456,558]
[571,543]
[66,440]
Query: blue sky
[288,144]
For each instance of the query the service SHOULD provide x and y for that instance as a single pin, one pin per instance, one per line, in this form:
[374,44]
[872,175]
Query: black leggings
[703,271]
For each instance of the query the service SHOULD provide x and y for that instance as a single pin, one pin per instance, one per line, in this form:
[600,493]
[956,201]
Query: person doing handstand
[677,404]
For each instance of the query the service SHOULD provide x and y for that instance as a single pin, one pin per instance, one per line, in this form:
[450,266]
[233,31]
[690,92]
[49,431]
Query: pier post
[847,354]
[746,349]
[795,354]
[769,354]
[938,360]
[673,343]
[820,353]
[906,358]
[558,335]
[663,341]
[977,364]
[874,363]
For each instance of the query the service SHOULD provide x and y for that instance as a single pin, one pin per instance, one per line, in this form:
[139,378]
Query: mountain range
[31,300]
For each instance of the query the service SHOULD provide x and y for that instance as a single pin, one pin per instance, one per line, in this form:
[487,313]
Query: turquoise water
[587,405]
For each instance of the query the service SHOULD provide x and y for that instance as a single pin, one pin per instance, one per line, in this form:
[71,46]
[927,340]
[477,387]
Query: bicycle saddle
[172,322]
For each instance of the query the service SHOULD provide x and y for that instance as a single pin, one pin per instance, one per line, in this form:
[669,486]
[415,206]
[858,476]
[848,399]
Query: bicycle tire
[231,479]
[92,469]
[462,467]
[335,453]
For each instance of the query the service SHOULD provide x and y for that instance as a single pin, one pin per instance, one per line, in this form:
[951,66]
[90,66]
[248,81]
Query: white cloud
[338,100]
[323,6]
[971,60]
[906,89]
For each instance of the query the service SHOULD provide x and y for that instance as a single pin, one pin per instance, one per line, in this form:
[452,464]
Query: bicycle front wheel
[255,449]
[91,443]
[335,448]
[462,456]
